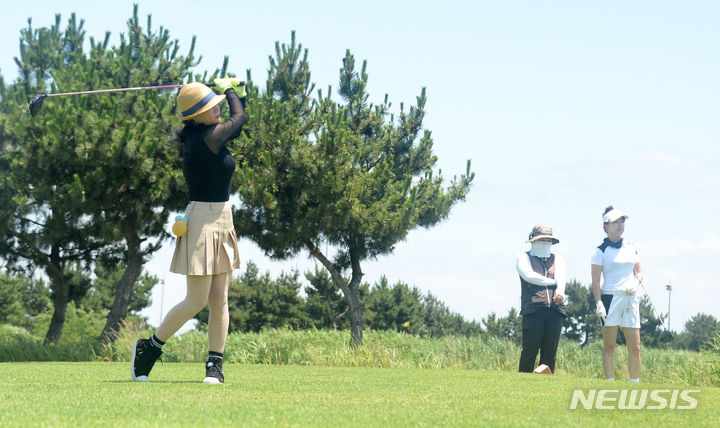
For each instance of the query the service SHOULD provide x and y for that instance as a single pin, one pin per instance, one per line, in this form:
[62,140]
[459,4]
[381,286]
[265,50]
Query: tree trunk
[60,285]
[350,290]
[124,288]
[62,297]
[356,319]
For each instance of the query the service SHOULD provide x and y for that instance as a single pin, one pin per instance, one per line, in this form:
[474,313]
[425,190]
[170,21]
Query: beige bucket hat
[542,231]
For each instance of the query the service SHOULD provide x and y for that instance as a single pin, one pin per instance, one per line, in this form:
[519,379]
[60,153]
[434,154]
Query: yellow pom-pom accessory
[180,226]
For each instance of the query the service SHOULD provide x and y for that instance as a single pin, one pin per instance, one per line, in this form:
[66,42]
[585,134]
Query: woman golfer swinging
[208,252]
[616,300]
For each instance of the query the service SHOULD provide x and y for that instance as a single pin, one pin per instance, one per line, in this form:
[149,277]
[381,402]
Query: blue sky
[564,107]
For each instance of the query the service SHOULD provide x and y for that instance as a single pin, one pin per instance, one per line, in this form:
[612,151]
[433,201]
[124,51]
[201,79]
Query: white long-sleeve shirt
[524,268]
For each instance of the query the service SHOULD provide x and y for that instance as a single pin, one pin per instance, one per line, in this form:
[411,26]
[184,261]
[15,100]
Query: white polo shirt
[617,266]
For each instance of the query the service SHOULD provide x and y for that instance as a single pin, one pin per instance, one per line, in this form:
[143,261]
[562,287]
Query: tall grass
[380,349]
[16,344]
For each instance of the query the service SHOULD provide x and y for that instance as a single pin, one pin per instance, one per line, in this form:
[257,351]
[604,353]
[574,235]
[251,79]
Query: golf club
[37,102]
[666,335]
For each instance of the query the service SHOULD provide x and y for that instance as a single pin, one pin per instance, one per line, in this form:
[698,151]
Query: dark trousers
[540,331]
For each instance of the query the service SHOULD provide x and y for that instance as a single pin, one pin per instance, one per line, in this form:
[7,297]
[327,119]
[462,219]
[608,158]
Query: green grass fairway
[101,394]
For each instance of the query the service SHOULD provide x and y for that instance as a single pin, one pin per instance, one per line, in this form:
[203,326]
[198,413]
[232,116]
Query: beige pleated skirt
[210,244]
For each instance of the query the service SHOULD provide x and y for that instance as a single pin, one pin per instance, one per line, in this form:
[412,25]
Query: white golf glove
[600,310]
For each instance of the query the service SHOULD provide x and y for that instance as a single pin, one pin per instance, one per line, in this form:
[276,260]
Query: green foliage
[390,307]
[381,349]
[440,321]
[509,326]
[92,178]
[22,300]
[651,327]
[701,332]
[713,354]
[400,307]
[349,174]
[256,301]
[43,216]
[390,349]
[17,344]
[324,304]
[581,323]
[396,349]
[42,220]
[81,326]
[77,344]
[101,294]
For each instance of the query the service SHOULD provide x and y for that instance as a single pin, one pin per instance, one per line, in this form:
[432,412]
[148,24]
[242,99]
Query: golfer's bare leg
[608,353]
[219,317]
[198,288]
[632,337]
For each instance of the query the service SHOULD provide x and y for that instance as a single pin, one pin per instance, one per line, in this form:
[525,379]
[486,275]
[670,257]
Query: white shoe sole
[211,380]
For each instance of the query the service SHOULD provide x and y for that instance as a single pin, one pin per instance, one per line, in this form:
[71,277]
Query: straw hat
[195,99]
[542,231]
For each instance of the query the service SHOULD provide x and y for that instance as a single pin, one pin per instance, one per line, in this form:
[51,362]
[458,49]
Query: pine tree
[348,174]
[42,220]
[700,331]
[324,305]
[581,323]
[93,178]
[256,302]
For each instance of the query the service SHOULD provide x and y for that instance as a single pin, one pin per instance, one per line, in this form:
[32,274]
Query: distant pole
[669,290]
[162,298]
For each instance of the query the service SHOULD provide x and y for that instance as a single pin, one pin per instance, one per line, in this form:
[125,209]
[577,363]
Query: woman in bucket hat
[618,264]
[542,285]
[208,251]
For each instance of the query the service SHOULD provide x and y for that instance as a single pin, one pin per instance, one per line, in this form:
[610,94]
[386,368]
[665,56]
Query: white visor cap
[613,215]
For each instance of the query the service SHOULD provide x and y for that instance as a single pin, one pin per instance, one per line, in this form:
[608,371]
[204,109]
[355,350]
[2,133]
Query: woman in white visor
[616,299]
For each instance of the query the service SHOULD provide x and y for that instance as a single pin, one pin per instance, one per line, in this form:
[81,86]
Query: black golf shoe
[144,357]
[213,371]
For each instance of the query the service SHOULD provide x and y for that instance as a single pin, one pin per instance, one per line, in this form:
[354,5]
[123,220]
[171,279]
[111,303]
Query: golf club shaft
[137,88]
[657,314]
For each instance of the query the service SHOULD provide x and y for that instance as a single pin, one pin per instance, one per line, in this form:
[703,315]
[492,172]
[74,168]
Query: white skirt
[210,245]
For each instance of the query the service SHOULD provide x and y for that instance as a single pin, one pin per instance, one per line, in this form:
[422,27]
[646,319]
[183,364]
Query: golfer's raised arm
[220,134]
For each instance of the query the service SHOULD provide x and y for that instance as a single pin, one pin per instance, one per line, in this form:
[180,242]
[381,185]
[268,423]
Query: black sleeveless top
[209,175]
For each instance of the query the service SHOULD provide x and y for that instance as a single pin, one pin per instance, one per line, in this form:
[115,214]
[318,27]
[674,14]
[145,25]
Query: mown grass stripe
[100,394]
